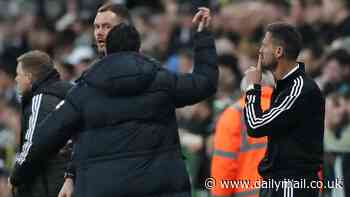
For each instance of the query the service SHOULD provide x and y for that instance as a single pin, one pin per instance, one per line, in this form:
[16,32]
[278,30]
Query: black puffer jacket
[125,106]
[45,94]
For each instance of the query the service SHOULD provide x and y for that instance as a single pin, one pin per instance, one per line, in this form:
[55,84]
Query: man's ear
[279,52]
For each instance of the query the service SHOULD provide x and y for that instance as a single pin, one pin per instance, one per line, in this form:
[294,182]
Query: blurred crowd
[64,29]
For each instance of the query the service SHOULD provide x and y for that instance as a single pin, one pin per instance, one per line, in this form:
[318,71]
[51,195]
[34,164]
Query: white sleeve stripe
[287,103]
[20,156]
[31,118]
[284,103]
[250,98]
[276,111]
[248,115]
[297,94]
[36,112]
[294,86]
[32,124]
[287,100]
[286,106]
[252,112]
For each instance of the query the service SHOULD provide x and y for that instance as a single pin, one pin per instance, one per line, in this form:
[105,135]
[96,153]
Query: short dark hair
[342,56]
[287,36]
[123,37]
[119,9]
[36,62]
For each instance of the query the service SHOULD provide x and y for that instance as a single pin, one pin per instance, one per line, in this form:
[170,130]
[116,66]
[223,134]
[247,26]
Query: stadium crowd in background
[64,29]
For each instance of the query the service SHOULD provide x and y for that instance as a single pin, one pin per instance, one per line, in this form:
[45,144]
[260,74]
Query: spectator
[236,155]
[336,70]
[336,15]
[337,143]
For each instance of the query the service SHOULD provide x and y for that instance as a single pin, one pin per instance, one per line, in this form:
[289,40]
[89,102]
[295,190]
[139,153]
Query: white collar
[291,71]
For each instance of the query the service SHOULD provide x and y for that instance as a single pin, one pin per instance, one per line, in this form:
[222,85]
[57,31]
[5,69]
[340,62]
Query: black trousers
[288,189]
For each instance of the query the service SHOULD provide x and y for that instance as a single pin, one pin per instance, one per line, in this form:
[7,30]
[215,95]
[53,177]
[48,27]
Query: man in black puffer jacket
[125,106]
[41,90]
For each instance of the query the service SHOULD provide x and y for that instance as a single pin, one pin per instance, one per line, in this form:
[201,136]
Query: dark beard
[272,66]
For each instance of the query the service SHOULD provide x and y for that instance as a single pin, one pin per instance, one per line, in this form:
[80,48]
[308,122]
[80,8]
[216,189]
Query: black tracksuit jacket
[294,125]
[124,107]
[47,177]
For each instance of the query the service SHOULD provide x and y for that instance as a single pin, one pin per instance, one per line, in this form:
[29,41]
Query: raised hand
[253,74]
[202,18]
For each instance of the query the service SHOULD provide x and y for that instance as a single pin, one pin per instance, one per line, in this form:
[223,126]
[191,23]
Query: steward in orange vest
[236,155]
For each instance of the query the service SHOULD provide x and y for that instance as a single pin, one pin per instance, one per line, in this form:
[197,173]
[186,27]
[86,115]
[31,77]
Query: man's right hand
[253,74]
[202,18]
[67,188]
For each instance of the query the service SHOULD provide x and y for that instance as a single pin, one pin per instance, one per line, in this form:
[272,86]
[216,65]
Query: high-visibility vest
[236,155]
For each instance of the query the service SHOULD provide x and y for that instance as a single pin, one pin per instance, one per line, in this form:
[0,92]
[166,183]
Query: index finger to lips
[258,66]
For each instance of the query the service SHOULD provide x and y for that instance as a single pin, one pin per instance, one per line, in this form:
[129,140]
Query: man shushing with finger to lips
[294,123]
